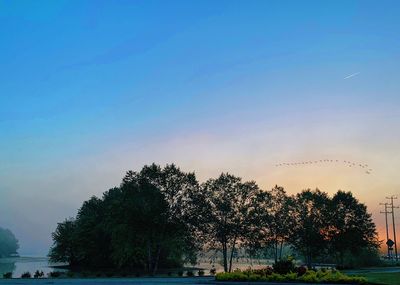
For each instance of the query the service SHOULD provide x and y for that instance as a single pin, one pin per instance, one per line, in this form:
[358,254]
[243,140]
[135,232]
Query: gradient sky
[90,89]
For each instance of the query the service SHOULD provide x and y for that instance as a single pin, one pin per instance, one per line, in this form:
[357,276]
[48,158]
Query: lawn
[389,278]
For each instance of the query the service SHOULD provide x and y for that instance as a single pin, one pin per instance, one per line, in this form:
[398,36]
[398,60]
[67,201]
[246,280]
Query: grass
[389,278]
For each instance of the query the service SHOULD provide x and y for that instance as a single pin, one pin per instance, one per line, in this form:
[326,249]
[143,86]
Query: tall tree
[8,243]
[310,230]
[64,247]
[142,223]
[175,186]
[226,215]
[278,222]
[351,228]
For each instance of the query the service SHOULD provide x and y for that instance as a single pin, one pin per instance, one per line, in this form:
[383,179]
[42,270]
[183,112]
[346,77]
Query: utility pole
[391,198]
[387,226]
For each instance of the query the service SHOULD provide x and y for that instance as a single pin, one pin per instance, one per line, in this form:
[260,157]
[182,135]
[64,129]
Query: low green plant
[284,266]
[54,274]
[189,273]
[38,274]
[26,275]
[310,276]
[200,272]
[7,275]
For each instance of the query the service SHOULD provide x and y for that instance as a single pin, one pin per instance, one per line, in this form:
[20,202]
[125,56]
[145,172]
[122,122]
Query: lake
[19,265]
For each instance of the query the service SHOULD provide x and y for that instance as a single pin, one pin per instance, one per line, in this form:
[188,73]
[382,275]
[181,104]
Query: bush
[310,276]
[301,270]
[263,271]
[180,273]
[200,272]
[213,271]
[7,275]
[190,273]
[54,274]
[365,258]
[38,274]
[284,266]
[26,275]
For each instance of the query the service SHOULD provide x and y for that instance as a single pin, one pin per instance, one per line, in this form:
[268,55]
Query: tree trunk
[225,253]
[232,252]
[157,258]
[309,260]
[149,259]
[280,250]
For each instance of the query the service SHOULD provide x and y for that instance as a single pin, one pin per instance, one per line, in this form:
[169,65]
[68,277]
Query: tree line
[163,217]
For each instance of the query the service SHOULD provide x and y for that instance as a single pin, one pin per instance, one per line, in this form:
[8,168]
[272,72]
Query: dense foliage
[8,243]
[309,276]
[141,224]
[161,217]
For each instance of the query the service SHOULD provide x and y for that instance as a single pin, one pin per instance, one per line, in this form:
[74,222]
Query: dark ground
[126,281]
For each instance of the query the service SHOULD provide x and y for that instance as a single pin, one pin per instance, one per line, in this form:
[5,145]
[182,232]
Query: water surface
[19,265]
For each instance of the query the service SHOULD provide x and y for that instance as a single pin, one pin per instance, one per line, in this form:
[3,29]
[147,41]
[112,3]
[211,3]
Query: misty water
[19,265]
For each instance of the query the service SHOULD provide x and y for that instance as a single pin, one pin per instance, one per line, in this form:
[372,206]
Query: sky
[91,89]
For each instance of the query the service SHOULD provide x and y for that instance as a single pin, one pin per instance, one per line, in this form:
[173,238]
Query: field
[388,278]
[382,275]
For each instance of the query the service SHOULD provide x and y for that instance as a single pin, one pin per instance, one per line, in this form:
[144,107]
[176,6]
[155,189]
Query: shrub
[284,266]
[38,274]
[189,273]
[180,273]
[301,270]
[7,275]
[70,274]
[213,271]
[54,274]
[26,275]
[200,272]
[310,276]
[263,271]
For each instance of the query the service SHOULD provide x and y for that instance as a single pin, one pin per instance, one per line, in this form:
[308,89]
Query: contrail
[352,75]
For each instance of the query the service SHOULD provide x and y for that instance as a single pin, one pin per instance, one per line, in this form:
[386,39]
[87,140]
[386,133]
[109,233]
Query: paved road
[134,281]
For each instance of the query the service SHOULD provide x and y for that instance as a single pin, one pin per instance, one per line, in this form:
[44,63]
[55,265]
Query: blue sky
[90,89]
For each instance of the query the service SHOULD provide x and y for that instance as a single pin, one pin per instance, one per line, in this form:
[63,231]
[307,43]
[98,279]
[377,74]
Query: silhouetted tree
[64,248]
[226,215]
[163,217]
[310,230]
[142,223]
[277,221]
[8,243]
[351,229]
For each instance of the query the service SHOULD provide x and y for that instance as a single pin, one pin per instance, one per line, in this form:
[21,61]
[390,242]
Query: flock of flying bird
[362,166]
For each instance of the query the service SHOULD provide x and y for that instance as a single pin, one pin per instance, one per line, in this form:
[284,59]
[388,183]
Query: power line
[387,226]
[391,198]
